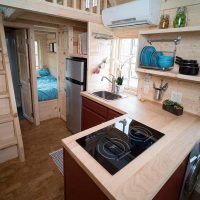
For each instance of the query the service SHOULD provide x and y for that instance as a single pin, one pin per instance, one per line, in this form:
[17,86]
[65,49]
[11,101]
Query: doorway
[17,45]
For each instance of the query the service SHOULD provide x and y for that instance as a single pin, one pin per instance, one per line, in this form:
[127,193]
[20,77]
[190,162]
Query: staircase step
[8,142]
[6,118]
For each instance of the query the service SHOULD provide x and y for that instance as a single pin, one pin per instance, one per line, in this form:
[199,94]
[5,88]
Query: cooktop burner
[112,148]
[117,145]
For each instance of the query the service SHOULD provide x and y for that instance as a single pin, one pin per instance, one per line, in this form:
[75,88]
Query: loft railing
[91,6]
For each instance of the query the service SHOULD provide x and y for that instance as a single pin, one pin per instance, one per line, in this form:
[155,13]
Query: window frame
[39,56]
[127,87]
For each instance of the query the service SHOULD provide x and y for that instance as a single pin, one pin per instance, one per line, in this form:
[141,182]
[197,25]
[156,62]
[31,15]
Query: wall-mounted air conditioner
[138,12]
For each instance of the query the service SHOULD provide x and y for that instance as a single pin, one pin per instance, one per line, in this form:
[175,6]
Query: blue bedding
[47,88]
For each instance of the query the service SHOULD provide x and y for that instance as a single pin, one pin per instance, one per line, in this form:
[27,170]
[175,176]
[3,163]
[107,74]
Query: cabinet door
[90,118]
[112,114]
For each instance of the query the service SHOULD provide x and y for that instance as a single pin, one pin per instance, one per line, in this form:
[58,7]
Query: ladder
[11,144]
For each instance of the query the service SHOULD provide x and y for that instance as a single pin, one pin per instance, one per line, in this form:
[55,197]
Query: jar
[180,19]
[164,21]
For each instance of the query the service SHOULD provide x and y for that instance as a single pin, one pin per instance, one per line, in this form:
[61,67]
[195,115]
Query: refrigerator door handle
[74,81]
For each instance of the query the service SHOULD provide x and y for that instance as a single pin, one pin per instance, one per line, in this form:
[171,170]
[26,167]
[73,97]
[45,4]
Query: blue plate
[155,58]
[142,62]
[146,57]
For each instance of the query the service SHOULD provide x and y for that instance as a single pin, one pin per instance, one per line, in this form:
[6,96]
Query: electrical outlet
[176,96]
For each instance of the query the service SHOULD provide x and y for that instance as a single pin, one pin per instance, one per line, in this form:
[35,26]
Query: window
[127,60]
[37,54]
[87,3]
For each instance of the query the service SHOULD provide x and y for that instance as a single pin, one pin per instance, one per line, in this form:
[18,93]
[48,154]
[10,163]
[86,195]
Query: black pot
[180,60]
[188,70]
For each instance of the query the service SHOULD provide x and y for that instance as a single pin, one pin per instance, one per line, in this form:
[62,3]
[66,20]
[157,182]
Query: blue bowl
[165,64]
[155,58]
[166,58]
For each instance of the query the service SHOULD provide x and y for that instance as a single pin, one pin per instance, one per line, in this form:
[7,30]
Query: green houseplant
[173,107]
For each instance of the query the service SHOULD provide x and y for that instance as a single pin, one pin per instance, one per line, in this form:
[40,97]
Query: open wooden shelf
[79,55]
[171,30]
[170,74]
[8,142]
[6,118]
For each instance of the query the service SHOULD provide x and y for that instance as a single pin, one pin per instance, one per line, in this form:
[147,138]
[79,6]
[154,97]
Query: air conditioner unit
[138,12]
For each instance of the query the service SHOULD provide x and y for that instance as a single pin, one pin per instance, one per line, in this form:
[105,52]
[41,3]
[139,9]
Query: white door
[24,72]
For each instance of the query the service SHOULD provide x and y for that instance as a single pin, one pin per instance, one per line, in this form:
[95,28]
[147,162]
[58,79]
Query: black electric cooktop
[117,145]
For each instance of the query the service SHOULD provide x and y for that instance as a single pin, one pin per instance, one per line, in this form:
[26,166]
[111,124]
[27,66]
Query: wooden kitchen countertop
[144,176]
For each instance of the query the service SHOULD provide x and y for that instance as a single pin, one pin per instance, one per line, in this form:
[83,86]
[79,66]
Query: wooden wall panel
[189,90]
[48,109]
[4,106]
[99,49]
[188,49]
[1,62]
[63,52]
[7,130]
[76,32]
[51,57]
[2,83]
[193,8]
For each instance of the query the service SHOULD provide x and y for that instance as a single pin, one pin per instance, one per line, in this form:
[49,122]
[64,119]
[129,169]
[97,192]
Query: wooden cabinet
[94,113]
[172,188]
[78,185]
[90,118]
[112,114]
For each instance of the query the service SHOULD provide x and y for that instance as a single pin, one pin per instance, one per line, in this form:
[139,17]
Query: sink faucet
[113,81]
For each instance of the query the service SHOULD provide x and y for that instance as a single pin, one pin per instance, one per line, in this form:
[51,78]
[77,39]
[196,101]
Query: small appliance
[117,145]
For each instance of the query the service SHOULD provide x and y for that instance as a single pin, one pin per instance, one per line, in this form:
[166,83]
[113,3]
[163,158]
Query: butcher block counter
[146,174]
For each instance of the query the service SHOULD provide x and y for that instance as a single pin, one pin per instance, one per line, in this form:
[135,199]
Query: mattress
[47,88]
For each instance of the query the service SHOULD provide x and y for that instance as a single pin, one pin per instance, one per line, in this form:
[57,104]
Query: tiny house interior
[99,99]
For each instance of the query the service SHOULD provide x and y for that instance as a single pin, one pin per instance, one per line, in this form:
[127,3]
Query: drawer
[95,107]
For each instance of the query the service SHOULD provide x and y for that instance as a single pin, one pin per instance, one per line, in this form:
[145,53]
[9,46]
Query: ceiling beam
[40,18]
[52,9]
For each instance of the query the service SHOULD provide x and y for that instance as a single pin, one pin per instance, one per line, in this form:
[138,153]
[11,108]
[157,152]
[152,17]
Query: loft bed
[47,88]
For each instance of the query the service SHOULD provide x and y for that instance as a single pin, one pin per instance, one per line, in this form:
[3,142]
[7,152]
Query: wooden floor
[37,178]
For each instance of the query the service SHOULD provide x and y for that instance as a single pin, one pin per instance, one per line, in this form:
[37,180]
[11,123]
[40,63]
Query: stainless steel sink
[107,95]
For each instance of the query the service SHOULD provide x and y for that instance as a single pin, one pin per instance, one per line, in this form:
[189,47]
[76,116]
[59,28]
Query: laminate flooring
[38,177]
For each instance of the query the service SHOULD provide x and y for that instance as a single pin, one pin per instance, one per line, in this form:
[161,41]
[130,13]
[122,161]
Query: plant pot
[119,88]
[173,110]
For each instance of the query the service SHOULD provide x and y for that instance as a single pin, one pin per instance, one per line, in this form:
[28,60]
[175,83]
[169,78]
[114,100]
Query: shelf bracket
[176,40]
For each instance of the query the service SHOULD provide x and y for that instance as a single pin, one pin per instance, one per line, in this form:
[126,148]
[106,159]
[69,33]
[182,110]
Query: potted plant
[173,107]
[120,86]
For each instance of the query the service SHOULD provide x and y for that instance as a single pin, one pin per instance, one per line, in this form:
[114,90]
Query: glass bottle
[180,19]
[164,21]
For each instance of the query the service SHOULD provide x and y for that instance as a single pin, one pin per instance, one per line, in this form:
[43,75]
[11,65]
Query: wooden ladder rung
[2,72]
[8,142]
[4,95]
[6,118]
